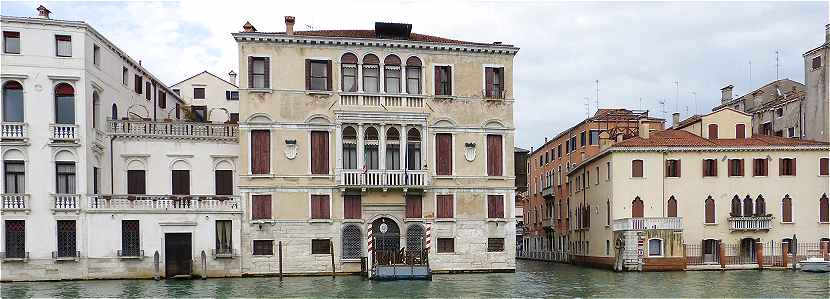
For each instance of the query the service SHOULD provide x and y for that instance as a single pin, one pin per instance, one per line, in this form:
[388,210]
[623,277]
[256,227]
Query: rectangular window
[319,152]
[443,153]
[130,238]
[816,62]
[199,113]
[148,91]
[260,151]
[63,45]
[263,247]
[494,155]
[444,206]
[791,132]
[180,182]
[139,83]
[760,167]
[393,156]
[320,246]
[96,55]
[594,137]
[96,179]
[495,206]
[231,95]
[136,182]
[710,167]
[125,75]
[713,131]
[559,151]
[495,244]
[392,79]
[11,42]
[371,78]
[234,119]
[413,206]
[317,74]
[199,93]
[259,72]
[320,206]
[260,206]
[786,166]
[223,181]
[413,80]
[224,237]
[494,82]
[66,238]
[65,183]
[162,98]
[582,138]
[351,207]
[446,245]
[673,168]
[736,167]
[766,128]
[607,171]
[823,167]
[740,131]
[14,173]
[349,155]
[779,112]
[443,80]
[349,77]
[15,246]
[637,168]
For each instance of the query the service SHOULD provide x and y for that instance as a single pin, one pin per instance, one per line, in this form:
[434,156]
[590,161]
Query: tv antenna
[694,98]
[750,72]
[587,108]
[596,100]
[776,64]
[662,107]
[676,96]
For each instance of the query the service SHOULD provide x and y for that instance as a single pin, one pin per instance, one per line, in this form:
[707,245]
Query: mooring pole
[331,250]
[156,265]
[280,257]
[204,265]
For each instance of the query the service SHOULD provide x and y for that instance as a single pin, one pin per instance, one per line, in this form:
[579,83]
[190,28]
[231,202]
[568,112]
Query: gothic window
[709,206]
[348,71]
[672,207]
[736,207]
[370,154]
[787,209]
[760,206]
[748,206]
[637,208]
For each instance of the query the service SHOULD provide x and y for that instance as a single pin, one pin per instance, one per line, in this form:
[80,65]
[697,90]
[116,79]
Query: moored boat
[815,265]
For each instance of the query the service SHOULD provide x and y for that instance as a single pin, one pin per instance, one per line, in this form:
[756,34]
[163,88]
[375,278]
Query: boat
[815,264]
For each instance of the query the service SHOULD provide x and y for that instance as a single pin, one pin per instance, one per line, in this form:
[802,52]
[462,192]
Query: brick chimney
[232,77]
[289,25]
[675,118]
[43,12]
[726,94]
[248,27]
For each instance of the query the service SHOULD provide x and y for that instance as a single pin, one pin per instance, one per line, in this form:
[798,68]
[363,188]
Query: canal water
[532,279]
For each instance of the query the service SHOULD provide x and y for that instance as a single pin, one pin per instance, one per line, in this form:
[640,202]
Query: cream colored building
[343,130]
[210,97]
[663,199]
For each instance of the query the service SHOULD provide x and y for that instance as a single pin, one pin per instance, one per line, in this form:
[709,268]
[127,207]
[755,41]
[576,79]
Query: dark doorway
[710,251]
[177,254]
[387,240]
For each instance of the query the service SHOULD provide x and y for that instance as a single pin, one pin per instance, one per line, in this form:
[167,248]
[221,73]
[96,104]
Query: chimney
[726,93]
[643,130]
[546,140]
[43,12]
[232,77]
[289,25]
[675,118]
[248,27]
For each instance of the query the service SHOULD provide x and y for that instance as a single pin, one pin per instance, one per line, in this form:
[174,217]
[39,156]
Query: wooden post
[785,253]
[280,258]
[156,265]
[759,254]
[331,250]
[825,248]
[722,255]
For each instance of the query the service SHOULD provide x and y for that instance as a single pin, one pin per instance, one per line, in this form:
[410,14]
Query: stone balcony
[14,131]
[548,192]
[384,179]
[646,223]
[750,223]
[64,133]
[15,202]
[170,203]
[381,100]
[174,130]
[66,202]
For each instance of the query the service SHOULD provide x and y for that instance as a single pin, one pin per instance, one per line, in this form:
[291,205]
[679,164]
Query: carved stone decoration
[290,149]
[470,151]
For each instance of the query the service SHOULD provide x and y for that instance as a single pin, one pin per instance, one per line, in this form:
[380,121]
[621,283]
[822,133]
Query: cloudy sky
[637,50]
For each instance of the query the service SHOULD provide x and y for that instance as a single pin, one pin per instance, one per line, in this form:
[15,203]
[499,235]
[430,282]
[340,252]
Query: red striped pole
[429,236]
[369,239]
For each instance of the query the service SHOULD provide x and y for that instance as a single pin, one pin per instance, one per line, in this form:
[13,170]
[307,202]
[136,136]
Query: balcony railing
[383,178]
[175,130]
[14,131]
[15,201]
[547,192]
[62,132]
[66,202]
[668,223]
[376,100]
[165,202]
[750,223]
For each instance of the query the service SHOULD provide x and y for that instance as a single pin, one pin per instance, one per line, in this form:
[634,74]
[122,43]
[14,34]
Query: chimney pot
[726,94]
[232,76]
[675,117]
[248,27]
[43,12]
[289,25]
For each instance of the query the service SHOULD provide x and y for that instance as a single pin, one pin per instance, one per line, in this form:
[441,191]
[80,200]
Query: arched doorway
[387,240]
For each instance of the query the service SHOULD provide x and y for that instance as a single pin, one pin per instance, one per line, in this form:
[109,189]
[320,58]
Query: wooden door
[177,254]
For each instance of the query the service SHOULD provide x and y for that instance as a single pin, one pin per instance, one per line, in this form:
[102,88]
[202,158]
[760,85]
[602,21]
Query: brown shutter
[413,206]
[351,206]
[260,151]
[224,182]
[793,162]
[714,167]
[668,168]
[824,166]
[181,182]
[449,80]
[740,131]
[824,208]
[261,207]
[637,208]
[250,72]
[328,75]
[308,74]
[443,152]
[488,82]
[319,152]
[672,207]
[637,168]
[788,210]
[437,79]
[136,182]
[444,206]
[780,166]
[495,206]
[320,207]
[267,72]
[677,168]
[494,155]
[741,169]
[713,131]
[502,85]
[710,210]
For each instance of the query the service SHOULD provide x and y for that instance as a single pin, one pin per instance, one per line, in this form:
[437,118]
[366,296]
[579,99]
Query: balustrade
[15,201]
[14,130]
[750,223]
[668,223]
[164,202]
[383,178]
[62,132]
[186,130]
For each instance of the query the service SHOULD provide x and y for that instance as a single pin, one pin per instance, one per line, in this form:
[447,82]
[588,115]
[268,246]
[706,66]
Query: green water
[532,279]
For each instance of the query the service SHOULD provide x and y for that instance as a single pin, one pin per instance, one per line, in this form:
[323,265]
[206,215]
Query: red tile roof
[681,138]
[371,34]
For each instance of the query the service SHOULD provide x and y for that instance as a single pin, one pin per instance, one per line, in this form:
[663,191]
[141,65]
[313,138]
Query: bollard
[280,258]
[331,250]
[156,265]
[722,255]
[825,250]
[785,253]
[759,254]
[204,265]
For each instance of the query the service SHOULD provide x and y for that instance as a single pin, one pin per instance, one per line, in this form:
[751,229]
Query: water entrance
[177,254]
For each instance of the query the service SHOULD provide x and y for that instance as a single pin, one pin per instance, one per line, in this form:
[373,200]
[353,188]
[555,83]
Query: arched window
[12,102]
[64,104]
[370,147]
[709,206]
[637,208]
[348,71]
[349,148]
[371,73]
[824,209]
[787,209]
[413,149]
[393,149]
[392,74]
[413,75]
[760,206]
[114,111]
[414,240]
[352,242]
[96,107]
[747,206]
[736,207]
[671,206]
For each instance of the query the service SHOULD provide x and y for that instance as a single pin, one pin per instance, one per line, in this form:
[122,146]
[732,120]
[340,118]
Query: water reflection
[532,279]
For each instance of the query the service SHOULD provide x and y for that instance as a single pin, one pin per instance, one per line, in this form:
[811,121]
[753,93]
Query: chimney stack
[232,77]
[43,12]
[289,25]
[643,130]
[675,118]
[248,27]
[726,94]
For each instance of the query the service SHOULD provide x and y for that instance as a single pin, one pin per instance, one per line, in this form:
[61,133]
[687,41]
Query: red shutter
[351,207]
[250,72]
[677,168]
[494,155]
[824,166]
[740,131]
[267,72]
[443,152]
[413,206]
[260,151]
[319,152]
[780,166]
[437,77]
[495,206]
[449,80]
[444,206]
[489,91]
[713,131]
[308,74]
[788,210]
[637,208]
[260,207]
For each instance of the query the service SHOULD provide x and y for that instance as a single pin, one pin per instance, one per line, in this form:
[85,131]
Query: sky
[636,50]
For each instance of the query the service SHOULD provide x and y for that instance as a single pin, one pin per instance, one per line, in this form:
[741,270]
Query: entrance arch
[387,235]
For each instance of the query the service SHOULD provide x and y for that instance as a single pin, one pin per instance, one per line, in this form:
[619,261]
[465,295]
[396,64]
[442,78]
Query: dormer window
[816,62]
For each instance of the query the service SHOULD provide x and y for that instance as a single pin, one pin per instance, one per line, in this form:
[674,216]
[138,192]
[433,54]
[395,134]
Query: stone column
[402,147]
[360,146]
[382,147]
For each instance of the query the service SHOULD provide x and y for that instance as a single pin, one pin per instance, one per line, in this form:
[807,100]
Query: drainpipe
[112,168]
[663,200]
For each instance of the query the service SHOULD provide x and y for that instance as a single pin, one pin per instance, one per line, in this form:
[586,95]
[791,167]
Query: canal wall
[109,268]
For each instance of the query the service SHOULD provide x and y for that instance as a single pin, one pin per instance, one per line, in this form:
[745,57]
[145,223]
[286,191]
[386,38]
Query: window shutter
[319,152]
[224,182]
[780,166]
[307,74]
[705,167]
[443,151]
[741,169]
[261,207]
[328,75]
[713,131]
[267,72]
[824,166]
[352,208]
[449,80]
[488,82]
[793,163]
[677,168]
[413,206]
[437,77]
[668,169]
[494,155]
[715,167]
[740,131]
[495,206]
[788,210]
[260,151]
[250,72]
[502,85]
